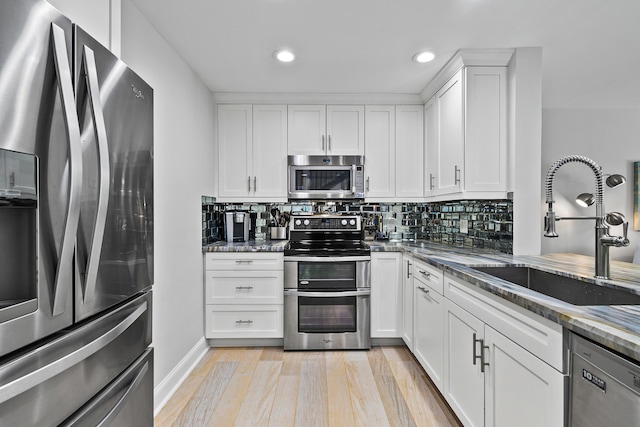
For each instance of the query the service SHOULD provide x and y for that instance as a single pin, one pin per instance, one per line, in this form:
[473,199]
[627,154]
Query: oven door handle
[326,258]
[358,293]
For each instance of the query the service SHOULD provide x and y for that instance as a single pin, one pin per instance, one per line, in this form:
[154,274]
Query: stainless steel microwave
[326,177]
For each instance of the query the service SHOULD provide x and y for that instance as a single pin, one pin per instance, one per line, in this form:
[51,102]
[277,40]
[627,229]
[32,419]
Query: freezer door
[114,250]
[39,133]
[46,385]
[127,401]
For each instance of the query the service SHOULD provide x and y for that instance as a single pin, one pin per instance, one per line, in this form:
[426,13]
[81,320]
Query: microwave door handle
[64,269]
[353,179]
[93,89]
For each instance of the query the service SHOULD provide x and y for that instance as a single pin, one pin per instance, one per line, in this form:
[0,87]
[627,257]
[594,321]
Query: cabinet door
[486,129]
[380,151]
[345,130]
[269,161]
[520,389]
[409,151]
[386,295]
[429,332]
[450,110]
[407,302]
[307,129]
[234,142]
[463,379]
[431,146]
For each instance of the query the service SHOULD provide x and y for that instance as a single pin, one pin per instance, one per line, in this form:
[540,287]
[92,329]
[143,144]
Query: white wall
[525,102]
[183,160]
[100,18]
[610,138]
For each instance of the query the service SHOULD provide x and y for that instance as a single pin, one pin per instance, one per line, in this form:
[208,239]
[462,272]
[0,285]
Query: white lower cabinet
[243,321]
[429,332]
[386,295]
[407,301]
[490,379]
[520,389]
[496,364]
[463,377]
[244,295]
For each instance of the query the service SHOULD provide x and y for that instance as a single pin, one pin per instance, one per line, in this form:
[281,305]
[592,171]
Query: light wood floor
[269,387]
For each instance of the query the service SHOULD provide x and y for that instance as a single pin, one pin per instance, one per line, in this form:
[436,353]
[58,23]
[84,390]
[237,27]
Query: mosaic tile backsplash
[467,223]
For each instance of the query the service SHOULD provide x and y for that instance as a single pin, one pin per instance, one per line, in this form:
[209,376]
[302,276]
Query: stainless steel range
[327,284]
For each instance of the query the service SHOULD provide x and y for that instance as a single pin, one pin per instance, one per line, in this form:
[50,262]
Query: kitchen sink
[573,291]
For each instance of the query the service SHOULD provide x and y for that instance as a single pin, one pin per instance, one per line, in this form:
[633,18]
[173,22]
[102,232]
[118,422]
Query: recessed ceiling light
[284,55]
[422,57]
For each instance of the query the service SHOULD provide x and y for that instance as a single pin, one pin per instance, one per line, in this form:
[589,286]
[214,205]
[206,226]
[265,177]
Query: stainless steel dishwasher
[605,387]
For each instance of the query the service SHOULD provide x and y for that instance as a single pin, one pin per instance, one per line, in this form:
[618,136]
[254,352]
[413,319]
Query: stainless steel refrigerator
[76,227]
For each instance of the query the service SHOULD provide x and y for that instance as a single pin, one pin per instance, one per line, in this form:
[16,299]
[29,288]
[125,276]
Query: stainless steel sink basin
[573,291]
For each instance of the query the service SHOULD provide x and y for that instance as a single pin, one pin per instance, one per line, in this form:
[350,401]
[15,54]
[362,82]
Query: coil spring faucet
[603,239]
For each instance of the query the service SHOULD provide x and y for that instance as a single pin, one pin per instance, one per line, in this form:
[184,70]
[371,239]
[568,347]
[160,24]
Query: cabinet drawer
[244,321]
[538,335]
[244,261]
[429,275]
[244,287]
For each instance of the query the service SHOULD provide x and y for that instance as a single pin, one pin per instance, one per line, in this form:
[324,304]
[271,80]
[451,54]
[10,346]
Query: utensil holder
[278,233]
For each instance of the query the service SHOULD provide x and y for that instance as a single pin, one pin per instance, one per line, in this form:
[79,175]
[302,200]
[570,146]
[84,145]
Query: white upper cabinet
[409,151]
[450,137]
[270,151]
[380,151]
[394,152]
[430,145]
[466,136]
[326,130]
[235,134]
[252,161]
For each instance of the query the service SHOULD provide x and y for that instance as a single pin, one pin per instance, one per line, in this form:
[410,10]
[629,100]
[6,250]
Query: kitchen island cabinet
[252,161]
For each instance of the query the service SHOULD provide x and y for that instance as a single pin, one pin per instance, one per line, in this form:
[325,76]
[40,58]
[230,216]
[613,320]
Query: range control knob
[298,222]
[306,222]
[343,222]
[352,222]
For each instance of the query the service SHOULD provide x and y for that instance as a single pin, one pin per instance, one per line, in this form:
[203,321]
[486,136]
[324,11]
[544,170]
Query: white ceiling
[591,48]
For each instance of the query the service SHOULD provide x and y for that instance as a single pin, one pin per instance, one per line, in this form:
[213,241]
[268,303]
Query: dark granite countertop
[617,327]
[250,246]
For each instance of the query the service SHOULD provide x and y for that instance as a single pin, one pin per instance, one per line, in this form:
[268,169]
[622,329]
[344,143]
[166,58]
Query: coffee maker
[240,226]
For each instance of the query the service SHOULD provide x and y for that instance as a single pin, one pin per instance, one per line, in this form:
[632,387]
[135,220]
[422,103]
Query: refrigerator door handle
[93,261]
[14,388]
[64,270]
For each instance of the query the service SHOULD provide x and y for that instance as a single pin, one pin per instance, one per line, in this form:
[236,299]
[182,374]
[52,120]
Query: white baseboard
[169,385]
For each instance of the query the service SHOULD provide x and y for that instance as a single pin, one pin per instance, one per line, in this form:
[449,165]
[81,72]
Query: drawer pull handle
[425,290]
[244,261]
[243,322]
[240,288]
[424,273]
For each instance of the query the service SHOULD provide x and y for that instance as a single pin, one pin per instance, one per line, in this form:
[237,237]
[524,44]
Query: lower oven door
[327,320]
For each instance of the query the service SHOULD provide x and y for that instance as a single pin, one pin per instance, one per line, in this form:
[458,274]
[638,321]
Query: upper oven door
[327,274]
[321,182]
